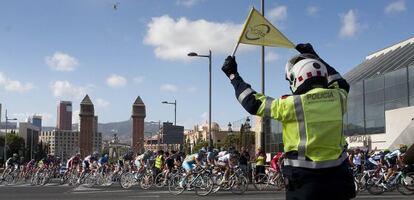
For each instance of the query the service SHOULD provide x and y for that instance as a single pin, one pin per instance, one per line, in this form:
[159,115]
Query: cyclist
[73,162]
[87,163]
[125,159]
[140,162]
[169,165]
[274,164]
[12,163]
[103,162]
[223,163]
[211,154]
[394,160]
[356,160]
[193,159]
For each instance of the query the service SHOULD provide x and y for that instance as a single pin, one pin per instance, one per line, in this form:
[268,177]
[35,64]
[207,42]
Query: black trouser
[319,184]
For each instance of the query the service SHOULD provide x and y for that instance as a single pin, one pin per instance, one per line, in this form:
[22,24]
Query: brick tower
[87,119]
[138,116]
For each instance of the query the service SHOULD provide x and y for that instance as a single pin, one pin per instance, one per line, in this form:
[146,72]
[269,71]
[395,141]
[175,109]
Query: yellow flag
[258,30]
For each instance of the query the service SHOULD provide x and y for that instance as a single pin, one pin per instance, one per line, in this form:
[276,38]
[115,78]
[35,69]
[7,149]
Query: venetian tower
[87,120]
[138,116]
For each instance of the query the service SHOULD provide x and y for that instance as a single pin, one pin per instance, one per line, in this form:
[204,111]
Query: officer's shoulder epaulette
[285,96]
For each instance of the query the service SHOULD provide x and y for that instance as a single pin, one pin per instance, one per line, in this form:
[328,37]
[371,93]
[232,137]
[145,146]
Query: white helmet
[303,67]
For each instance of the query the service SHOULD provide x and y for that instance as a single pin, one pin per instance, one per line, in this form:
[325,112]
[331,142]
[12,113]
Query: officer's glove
[306,49]
[230,66]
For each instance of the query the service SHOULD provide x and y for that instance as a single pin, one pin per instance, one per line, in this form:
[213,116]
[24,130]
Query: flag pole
[244,29]
[235,49]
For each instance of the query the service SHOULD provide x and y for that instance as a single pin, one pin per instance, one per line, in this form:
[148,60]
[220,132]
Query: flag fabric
[258,30]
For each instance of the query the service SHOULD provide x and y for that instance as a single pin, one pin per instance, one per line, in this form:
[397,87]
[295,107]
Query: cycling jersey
[225,158]
[103,160]
[275,160]
[393,154]
[74,160]
[138,160]
[11,162]
[87,161]
[31,164]
[221,153]
[189,161]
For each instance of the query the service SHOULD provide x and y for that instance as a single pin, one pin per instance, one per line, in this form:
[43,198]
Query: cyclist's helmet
[403,148]
[15,155]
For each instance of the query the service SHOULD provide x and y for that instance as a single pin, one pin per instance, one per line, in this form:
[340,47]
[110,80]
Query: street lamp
[193,54]
[5,137]
[175,109]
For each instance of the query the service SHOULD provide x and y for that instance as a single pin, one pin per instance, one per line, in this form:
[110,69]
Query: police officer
[316,164]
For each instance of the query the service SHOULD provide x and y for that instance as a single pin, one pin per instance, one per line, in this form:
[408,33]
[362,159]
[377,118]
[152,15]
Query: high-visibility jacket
[312,122]
[312,125]
[158,162]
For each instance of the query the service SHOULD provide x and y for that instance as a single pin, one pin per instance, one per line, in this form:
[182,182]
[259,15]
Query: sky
[62,50]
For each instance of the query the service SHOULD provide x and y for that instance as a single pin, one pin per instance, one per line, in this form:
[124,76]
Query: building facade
[62,143]
[30,134]
[381,98]
[36,120]
[64,116]
[138,116]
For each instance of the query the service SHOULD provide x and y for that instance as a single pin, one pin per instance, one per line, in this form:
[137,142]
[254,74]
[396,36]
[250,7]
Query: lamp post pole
[193,54]
[175,109]
[5,137]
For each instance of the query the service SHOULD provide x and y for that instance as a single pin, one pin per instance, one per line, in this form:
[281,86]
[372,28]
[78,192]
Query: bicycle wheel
[374,186]
[146,181]
[279,183]
[176,184]
[260,181]
[126,180]
[159,180]
[216,181]
[405,185]
[90,180]
[238,184]
[204,186]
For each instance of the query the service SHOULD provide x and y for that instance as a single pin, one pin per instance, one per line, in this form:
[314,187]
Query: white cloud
[14,85]
[61,62]
[278,14]
[139,79]
[312,10]
[395,7]
[102,103]
[65,90]
[350,25]
[169,88]
[188,3]
[271,56]
[174,39]
[116,81]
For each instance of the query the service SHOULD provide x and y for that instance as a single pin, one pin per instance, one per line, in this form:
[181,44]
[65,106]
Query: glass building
[383,81]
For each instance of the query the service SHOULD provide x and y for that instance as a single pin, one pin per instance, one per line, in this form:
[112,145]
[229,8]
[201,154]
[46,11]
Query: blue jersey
[103,160]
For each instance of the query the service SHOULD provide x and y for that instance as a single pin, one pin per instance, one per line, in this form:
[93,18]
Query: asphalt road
[57,192]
